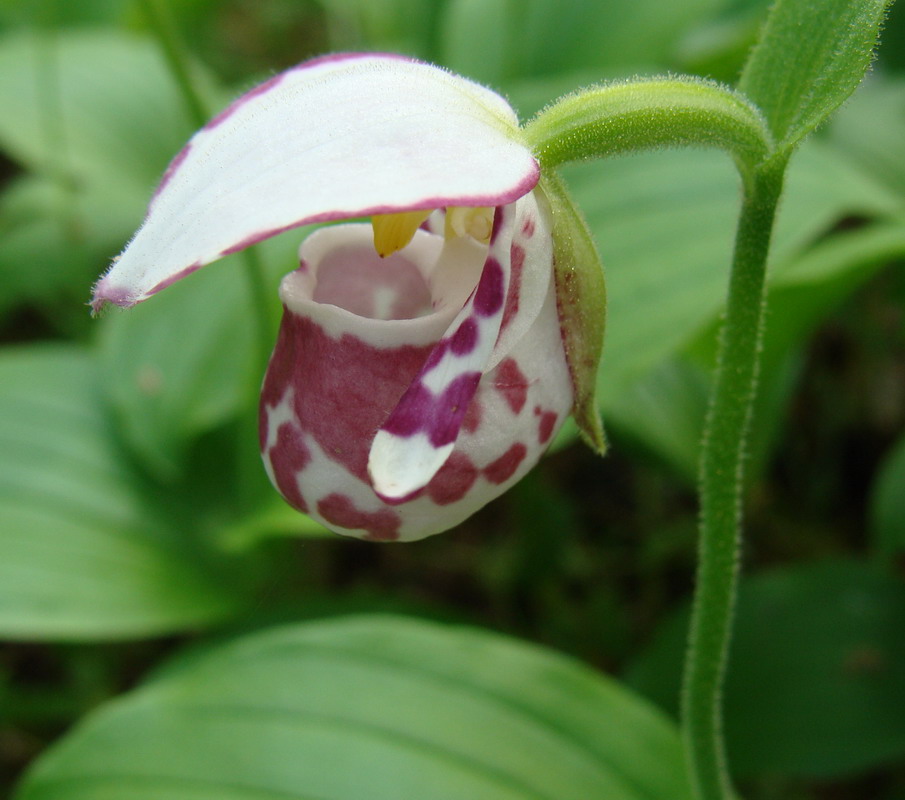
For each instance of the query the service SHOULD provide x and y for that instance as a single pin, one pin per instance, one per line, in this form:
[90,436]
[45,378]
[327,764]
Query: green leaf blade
[118,124]
[376,707]
[815,685]
[83,554]
[169,383]
[811,56]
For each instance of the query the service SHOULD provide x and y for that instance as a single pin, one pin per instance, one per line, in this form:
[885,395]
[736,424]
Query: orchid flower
[419,369]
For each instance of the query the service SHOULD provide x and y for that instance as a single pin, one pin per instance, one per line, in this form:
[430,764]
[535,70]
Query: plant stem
[161,22]
[250,476]
[158,16]
[721,482]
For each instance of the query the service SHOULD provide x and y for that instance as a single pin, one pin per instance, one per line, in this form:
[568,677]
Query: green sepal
[581,303]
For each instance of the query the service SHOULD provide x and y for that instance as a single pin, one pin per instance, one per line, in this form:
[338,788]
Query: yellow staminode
[392,232]
[476,222]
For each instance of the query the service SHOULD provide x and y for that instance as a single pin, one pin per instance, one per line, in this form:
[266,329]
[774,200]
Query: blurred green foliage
[136,525]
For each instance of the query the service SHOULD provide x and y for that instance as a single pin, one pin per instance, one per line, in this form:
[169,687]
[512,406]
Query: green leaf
[476,39]
[51,13]
[665,410]
[887,505]
[84,553]
[811,56]
[95,116]
[275,519]
[664,413]
[615,39]
[181,364]
[664,224]
[880,145]
[89,106]
[53,243]
[369,707]
[399,26]
[816,681]
[718,46]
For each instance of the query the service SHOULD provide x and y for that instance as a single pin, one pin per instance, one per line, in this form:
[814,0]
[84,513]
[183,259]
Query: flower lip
[338,137]
[448,272]
[328,389]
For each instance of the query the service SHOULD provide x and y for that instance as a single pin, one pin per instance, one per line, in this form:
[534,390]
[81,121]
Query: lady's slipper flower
[419,369]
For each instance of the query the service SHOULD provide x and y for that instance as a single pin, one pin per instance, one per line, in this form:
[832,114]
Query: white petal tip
[401,466]
[104,293]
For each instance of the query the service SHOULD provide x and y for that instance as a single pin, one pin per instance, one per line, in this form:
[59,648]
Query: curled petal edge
[334,138]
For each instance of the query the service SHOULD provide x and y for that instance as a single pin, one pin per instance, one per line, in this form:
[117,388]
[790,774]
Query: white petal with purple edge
[337,137]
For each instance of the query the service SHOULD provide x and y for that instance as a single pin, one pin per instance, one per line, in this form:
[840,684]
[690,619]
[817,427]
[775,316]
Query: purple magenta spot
[450,408]
[289,457]
[545,426]
[503,468]
[453,480]
[436,355]
[516,265]
[414,409]
[517,255]
[489,295]
[511,382]
[263,426]
[465,338]
[472,420]
[339,408]
[338,509]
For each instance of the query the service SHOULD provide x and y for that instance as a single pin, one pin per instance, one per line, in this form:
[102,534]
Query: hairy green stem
[630,116]
[721,483]
[667,112]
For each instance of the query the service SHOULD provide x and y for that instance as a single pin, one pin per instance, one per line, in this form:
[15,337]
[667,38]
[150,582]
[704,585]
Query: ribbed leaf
[180,365]
[369,707]
[810,57]
[816,681]
[94,106]
[83,553]
[664,224]
[871,126]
